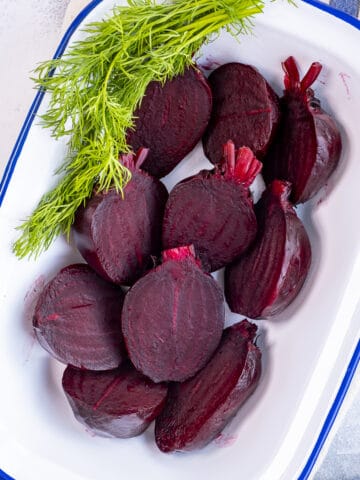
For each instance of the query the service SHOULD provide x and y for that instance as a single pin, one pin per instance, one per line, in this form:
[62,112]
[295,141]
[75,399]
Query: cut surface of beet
[171,120]
[173,318]
[213,210]
[245,110]
[117,235]
[267,277]
[117,403]
[77,319]
[197,410]
[307,146]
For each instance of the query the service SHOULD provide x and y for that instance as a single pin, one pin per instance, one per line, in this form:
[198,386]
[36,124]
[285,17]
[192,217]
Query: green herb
[97,85]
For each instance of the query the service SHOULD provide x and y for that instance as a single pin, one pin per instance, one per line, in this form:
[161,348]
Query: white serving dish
[310,352]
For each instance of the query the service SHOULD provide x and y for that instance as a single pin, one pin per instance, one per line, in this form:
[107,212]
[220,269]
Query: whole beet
[245,109]
[268,276]
[117,403]
[197,410]
[173,318]
[213,210]
[117,235]
[77,319]
[171,120]
[307,146]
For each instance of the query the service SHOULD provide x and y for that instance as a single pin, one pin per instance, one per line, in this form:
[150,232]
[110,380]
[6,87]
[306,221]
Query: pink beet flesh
[245,109]
[214,211]
[77,319]
[307,146]
[267,278]
[173,318]
[117,403]
[171,120]
[118,235]
[197,410]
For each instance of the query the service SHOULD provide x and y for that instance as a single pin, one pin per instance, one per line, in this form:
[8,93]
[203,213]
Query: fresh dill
[97,85]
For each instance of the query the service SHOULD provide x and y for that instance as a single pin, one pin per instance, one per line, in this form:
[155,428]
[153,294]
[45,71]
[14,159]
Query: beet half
[213,210]
[173,318]
[117,403]
[245,109]
[171,120]
[197,410]
[307,147]
[77,319]
[118,235]
[267,278]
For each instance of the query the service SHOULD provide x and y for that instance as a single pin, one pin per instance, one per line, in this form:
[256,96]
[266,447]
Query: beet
[245,109]
[173,318]
[308,143]
[171,120]
[77,319]
[197,410]
[117,403]
[213,210]
[267,278]
[118,235]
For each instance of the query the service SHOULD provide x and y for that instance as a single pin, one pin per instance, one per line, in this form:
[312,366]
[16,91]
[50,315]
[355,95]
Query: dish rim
[11,164]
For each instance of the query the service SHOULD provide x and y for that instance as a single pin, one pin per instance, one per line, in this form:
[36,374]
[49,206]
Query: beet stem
[281,189]
[179,253]
[228,162]
[141,156]
[247,166]
[310,76]
[292,77]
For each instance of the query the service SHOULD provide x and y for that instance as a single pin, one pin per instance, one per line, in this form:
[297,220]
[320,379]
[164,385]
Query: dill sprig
[98,84]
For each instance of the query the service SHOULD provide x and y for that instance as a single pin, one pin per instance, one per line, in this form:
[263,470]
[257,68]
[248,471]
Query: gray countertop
[29,33]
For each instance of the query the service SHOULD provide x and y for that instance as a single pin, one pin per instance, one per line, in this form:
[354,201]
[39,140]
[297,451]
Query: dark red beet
[77,319]
[197,410]
[245,110]
[171,120]
[213,210]
[308,143]
[117,235]
[267,278]
[173,318]
[116,403]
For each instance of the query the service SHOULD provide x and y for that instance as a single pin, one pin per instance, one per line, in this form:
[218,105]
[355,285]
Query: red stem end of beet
[131,161]
[241,164]
[281,190]
[181,253]
[292,80]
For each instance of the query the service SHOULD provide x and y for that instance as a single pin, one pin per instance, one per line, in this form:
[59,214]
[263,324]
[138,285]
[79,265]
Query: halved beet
[197,410]
[173,318]
[117,235]
[245,110]
[267,278]
[308,144]
[213,210]
[171,120]
[77,319]
[117,403]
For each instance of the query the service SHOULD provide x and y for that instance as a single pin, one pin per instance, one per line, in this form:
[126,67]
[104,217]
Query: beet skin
[118,235]
[173,318]
[213,210]
[117,403]
[77,319]
[197,410]
[268,276]
[171,120]
[307,146]
[245,110]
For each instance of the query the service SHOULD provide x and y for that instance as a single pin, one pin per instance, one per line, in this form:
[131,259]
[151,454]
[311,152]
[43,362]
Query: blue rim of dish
[10,167]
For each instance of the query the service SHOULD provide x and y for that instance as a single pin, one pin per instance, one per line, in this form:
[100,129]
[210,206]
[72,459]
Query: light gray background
[30,31]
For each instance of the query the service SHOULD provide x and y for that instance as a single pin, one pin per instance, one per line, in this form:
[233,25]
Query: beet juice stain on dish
[213,210]
[307,146]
